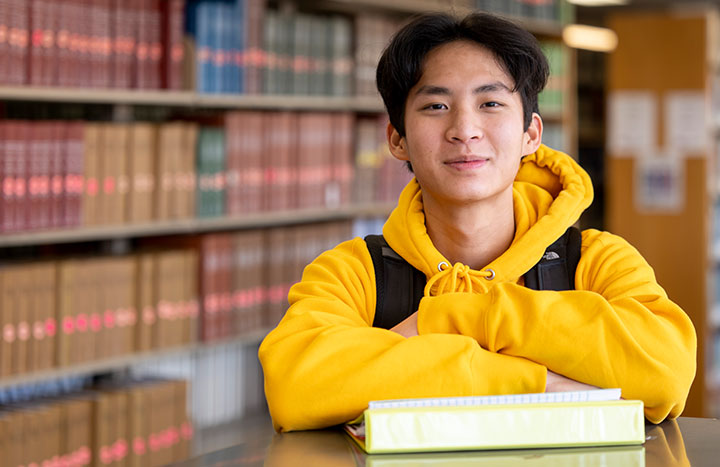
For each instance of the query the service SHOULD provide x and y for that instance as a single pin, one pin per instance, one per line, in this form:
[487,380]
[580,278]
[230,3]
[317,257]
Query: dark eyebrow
[429,89]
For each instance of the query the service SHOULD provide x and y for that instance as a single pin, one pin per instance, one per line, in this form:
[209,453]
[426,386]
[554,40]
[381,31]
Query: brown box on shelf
[141,170]
[93,194]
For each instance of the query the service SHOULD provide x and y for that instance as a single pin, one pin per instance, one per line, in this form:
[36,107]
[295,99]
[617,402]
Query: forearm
[324,375]
[647,349]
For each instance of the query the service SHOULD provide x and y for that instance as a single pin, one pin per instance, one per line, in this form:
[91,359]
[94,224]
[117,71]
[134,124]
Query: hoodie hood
[549,193]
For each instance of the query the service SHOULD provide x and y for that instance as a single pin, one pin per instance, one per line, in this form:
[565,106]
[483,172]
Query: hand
[407,327]
[559,383]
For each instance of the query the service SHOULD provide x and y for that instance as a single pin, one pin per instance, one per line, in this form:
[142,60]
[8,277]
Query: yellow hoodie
[325,361]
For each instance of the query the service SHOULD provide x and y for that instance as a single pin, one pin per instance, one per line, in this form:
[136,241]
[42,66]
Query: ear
[397,144]
[533,135]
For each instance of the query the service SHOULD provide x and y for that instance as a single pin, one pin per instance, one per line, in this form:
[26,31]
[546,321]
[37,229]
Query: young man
[487,200]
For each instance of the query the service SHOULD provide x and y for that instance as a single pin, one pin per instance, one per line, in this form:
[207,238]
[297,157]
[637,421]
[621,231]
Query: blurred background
[168,167]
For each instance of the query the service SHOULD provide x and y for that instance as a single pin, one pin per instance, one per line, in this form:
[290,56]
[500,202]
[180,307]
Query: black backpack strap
[556,269]
[399,285]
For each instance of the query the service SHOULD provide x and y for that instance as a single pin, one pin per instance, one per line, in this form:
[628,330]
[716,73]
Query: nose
[463,126]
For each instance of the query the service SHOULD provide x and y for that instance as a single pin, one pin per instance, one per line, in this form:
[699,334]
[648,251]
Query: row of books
[56,313]
[60,174]
[559,11]
[59,313]
[307,54]
[551,99]
[226,381]
[142,423]
[92,43]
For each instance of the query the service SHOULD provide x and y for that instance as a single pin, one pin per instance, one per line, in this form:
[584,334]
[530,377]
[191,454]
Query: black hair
[518,51]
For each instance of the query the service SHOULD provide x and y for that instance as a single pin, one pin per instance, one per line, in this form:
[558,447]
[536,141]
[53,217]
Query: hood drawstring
[458,278]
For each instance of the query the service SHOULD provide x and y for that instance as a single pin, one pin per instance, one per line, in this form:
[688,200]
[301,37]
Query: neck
[473,234]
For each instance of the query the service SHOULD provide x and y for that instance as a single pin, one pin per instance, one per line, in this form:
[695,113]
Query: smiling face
[464,127]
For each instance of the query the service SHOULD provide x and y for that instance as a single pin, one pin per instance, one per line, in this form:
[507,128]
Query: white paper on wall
[659,183]
[632,122]
[685,123]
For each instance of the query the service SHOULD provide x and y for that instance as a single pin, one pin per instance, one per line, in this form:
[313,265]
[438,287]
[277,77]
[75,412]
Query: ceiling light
[592,38]
[598,2]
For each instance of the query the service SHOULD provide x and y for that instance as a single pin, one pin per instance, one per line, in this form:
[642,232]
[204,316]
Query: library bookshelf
[203,97]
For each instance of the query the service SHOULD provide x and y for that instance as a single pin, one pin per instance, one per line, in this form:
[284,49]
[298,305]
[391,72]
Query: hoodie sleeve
[324,361]
[617,329]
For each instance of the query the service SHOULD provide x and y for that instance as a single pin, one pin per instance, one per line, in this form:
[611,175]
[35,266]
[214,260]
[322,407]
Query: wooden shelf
[536,26]
[190,99]
[125,361]
[191,226]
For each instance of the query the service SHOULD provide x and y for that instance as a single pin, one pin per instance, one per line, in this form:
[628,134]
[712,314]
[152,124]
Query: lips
[467,163]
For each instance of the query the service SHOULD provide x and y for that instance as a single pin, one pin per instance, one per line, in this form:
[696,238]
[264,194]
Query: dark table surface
[682,442]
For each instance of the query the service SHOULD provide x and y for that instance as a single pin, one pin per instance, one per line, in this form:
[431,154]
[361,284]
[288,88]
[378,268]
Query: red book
[37,214]
[234,162]
[254,53]
[57,174]
[19,39]
[15,175]
[99,43]
[172,41]
[155,43]
[149,44]
[227,322]
[4,40]
[43,24]
[5,185]
[73,156]
[342,155]
[52,23]
[279,191]
[37,33]
[124,42]
[62,43]
[142,50]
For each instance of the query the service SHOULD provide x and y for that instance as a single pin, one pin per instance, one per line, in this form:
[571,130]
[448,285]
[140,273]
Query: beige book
[145,302]
[22,310]
[141,171]
[7,325]
[113,168]
[93,194]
